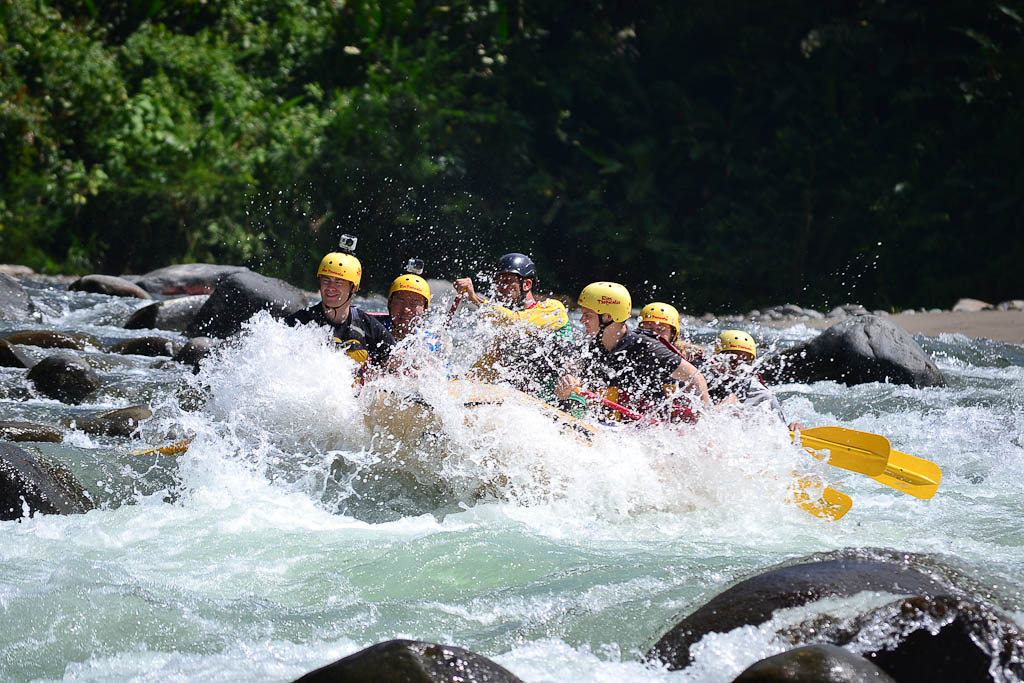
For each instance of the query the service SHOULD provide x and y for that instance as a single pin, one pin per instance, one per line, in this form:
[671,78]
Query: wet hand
[566,385]
[464,286]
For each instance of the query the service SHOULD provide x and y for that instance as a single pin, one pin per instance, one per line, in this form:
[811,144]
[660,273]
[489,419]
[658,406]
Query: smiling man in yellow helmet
[638,365]
[362,337]
[732,378]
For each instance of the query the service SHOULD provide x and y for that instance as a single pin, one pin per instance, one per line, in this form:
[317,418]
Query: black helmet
[520,264]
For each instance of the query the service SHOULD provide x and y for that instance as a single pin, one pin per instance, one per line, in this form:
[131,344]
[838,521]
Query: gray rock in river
[108,284]
[13,357]
[15,303]
[411,661]
[15,430]
[64,377]
[193,353]
[856,350]
[147,346]
[170,314]
[752,602]
[240,296]
[31,484]
[814,664]
[185,278]
[120,422]
[50,339]
[937,633]
[971,306]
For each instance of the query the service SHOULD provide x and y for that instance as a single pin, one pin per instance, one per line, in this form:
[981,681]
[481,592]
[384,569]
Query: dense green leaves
[717,155]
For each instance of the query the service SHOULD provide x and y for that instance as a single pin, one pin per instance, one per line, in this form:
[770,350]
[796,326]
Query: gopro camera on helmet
[348,243]
[414,266]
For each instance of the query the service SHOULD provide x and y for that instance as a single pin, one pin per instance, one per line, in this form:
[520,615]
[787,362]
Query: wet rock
[108,284]
[121,422]
[411,661]
[12,357]
[14,430]
[195,351]
[240,296]
[31,484]
[790,309]
[15,303]
[856,350]
[837,312]
[971,306]
[170,314]
[186,278]
[811,313]
[1012,305]
[48,339]
[147,346]
[64,377]
[814,664]
[752,602]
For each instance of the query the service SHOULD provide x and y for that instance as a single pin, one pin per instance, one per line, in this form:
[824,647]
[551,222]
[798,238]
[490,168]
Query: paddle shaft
[608,403]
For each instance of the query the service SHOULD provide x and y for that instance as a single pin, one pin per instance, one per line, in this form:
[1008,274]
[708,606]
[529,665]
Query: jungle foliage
[722,155]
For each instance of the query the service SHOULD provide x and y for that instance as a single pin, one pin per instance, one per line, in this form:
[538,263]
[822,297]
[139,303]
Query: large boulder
[411,661]
[814,664]
[50,339]
[752,602]
[31,484]
[16,430]
[109,284]
[934,634]
[147,346]
[856,350]
[64,377]
[170,314]
[120,422]
[971,306]
[13,357]
[186,278]
[15,303]
[240,296]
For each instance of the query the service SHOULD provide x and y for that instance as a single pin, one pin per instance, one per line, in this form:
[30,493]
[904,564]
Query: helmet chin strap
[332,309]
[601,327]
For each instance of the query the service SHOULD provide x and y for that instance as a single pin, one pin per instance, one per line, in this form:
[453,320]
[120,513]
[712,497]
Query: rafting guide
[535,336]
[362,337]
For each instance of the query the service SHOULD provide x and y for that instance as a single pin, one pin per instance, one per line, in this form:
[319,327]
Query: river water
[290,535]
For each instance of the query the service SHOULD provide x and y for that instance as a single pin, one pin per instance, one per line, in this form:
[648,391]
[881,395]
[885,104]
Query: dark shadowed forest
[721,154]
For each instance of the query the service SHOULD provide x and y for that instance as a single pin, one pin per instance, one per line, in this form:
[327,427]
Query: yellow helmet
[736,340]
[657,312]
[339,265]
[607,297]
[410,283]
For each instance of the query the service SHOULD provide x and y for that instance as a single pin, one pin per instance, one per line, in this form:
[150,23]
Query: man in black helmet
[532,348]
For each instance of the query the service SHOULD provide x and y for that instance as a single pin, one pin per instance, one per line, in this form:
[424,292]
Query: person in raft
[408,301]
[537,339]
[635,366]
[363,338]
[732,379]
[662,320]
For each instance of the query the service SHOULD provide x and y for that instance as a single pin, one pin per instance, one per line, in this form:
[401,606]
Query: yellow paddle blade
[848,449]
[169,449]
[912,475]
[832,504]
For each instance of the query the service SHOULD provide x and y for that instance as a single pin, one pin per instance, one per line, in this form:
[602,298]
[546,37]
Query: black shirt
[640,366]
[359,331]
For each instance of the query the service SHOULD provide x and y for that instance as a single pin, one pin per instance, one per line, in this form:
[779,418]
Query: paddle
[169,449]
[848,449]
[911,475]
[832,505]
[872,455]
[623,410]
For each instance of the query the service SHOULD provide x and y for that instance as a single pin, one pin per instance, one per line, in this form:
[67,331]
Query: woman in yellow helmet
[662,320]
[638,365]
[360,335]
